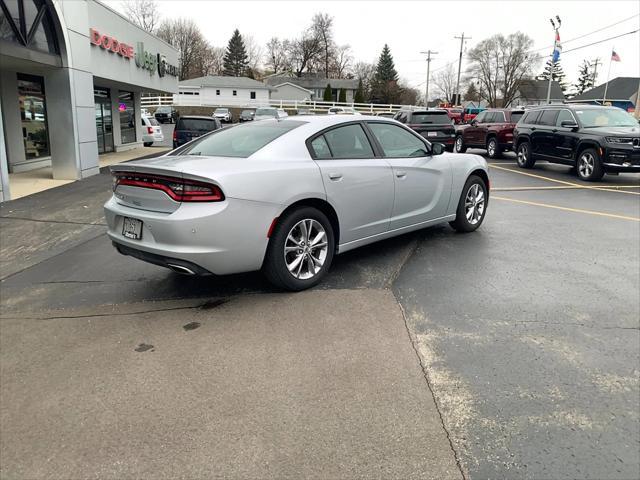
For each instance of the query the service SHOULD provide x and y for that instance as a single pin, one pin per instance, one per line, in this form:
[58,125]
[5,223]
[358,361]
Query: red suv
[491,129]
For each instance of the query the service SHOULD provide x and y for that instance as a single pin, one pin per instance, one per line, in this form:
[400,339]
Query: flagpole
[606,85]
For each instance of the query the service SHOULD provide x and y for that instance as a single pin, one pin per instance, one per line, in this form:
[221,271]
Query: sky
[410,27]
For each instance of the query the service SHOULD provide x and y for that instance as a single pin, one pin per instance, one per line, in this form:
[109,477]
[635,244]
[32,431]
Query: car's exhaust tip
[181,269]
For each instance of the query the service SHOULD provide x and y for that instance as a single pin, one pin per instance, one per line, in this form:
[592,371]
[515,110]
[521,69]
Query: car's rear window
[242,140]
[163,110]
[516,116]
[430,117]
[266,111]
[199,124]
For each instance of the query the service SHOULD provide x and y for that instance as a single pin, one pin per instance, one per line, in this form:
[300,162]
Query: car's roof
[573,106]
[323,121]
[198,117]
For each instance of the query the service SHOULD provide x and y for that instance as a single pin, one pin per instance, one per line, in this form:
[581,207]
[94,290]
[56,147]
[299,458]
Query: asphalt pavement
[512,352]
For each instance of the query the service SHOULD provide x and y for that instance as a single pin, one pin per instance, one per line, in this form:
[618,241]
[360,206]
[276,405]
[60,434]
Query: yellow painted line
[568,187]
[572,184]
[567,209]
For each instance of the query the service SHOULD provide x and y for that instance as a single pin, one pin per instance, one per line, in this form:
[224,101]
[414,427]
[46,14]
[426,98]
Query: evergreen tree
[328,94]
[585,78]
[235,58]
[472,93]
[385,87]
[343,96]
[555,70]
[359,96]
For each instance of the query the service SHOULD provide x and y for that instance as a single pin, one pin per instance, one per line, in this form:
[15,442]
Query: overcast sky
[410,27]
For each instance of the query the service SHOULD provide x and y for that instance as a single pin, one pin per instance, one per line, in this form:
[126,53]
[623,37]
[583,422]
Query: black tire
[147,144]
[524,156]
[589,165]
[462,223]
[459,145]
[275,266]
[493,148]
[449,148]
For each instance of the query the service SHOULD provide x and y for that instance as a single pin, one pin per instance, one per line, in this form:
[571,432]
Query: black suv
[592,138]
[433,124]
[166,114]
[189,127]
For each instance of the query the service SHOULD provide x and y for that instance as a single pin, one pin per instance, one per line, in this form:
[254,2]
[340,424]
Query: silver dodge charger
[285,196]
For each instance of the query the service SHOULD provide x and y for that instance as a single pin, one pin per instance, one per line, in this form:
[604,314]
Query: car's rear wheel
[524,156]
[300,250]
[589,166]
[472,205]
[493,148]
[459,145]
[147,144]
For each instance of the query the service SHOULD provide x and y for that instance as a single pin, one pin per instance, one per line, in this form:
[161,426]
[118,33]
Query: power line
[602,41]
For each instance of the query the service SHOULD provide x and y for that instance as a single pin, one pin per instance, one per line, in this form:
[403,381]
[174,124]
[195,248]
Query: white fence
[315,106]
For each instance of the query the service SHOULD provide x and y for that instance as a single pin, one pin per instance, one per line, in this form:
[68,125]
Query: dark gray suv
[592,138]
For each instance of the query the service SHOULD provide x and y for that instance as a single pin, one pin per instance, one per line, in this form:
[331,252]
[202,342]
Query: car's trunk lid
[433,130]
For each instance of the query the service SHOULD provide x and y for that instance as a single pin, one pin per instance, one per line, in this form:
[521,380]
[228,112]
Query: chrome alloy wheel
[586,165]
[458,144]
[491,148]
[474,204]
[523,154]
[305,249]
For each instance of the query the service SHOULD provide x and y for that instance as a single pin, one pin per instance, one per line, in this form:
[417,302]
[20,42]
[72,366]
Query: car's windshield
[240,141]
[605,117]
[222,110]
[271,112]
[430,117]
[246,112]
[163,110]
[199,124]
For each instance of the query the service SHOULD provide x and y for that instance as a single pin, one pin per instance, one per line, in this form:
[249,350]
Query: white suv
[151,131]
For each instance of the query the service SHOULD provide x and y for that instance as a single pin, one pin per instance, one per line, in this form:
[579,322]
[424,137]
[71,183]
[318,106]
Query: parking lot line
[568,209]
[572,184]
[562,187]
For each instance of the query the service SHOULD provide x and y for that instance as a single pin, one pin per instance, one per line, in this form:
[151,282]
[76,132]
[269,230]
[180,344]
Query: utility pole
[428,53]
[462,39]
[555,56]
[595,64]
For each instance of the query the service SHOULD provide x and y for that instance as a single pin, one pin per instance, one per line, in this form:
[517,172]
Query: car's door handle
[401,173]
[335,176]
[533,128]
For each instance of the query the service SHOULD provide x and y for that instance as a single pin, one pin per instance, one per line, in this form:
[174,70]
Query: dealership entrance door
[104,124]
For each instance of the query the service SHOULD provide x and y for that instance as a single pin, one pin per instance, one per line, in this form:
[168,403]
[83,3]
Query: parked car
[343,111]
[455,114]
[491,130]
[305,111]
[386,114]
[470,113]
[265,113]
[433,124]
[286,196]
[592,138]
[223,114]
[246,115]
[193,126]
[151,131]
[166,115]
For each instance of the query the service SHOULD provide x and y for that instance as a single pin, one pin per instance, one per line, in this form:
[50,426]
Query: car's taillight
[149,130]
[178,189]
[175,135]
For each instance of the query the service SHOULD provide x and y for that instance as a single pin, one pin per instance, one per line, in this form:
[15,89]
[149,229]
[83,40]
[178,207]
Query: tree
[322,28]
[303,52]
[365,72]
[254,56]
[342,97]
[500,63]
[409,95]
[340,61]
[276,57]
[143,13]
[359,96]
[184,35]
[328,93]
[236,62]
[472,93]
[554,69]
[385,88]
[445,82]
[211,61]
[585,78]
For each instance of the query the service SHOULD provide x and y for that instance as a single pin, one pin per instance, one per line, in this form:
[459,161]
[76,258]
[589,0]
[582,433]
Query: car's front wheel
[459,145]
[589,166]
[300,250]
[524,157]
[472,206]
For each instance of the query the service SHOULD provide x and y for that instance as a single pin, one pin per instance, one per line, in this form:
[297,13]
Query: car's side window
[402,117]
[396,142]
[480,118]
[564,115]
[531,117]
[490,118]
[548,117]
[320,148]
[349,141]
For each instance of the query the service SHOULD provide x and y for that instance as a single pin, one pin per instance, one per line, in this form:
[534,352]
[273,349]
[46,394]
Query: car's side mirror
[569,124]
[437,149]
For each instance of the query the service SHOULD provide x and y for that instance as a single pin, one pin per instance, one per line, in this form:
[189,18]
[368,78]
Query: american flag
[557,48]
[614,56]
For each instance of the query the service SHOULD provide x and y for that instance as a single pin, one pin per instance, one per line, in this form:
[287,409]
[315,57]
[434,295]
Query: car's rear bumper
[219,238]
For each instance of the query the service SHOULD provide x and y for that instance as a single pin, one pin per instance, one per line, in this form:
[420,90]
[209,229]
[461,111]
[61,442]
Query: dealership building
[71,76]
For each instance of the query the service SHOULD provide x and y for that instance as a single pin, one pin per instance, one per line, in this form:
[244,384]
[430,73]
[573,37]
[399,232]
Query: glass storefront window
[128,124]
[104,125]
[29,24]
[33,113]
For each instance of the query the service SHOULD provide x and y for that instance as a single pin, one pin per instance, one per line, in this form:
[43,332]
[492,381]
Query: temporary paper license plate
[132,228]
[432,134]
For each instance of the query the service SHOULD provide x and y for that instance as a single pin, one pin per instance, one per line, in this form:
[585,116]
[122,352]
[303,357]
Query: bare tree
[276,57]
[500,63]
[143,13]
[322,28]
[341,61]
[254,54]
[303,52]
[445,82]
[185,35]
[211,61]
[365,71]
